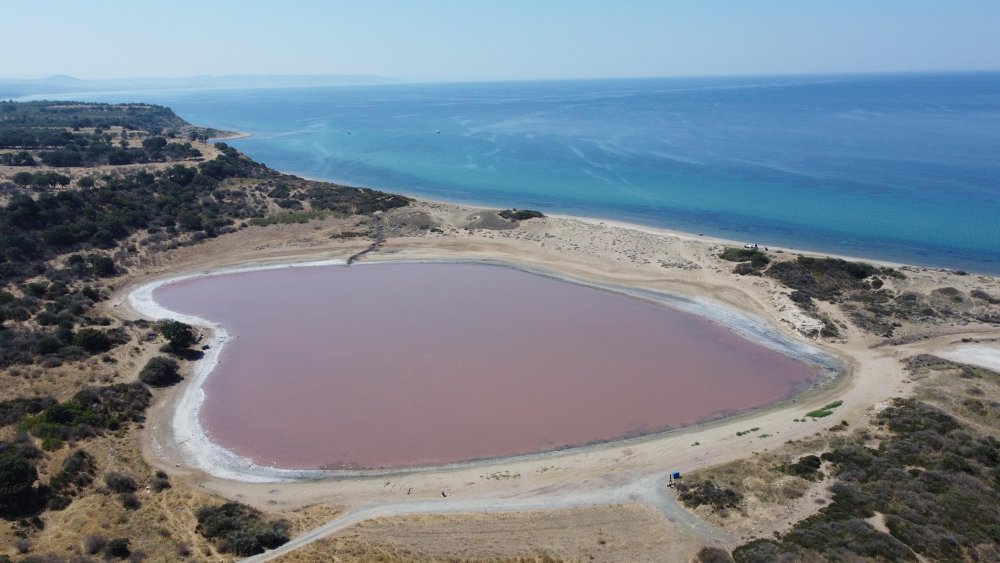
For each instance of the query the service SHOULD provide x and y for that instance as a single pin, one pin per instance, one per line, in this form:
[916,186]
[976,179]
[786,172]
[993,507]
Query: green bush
[90,412]
[825,410]
[160,371]
[92,340]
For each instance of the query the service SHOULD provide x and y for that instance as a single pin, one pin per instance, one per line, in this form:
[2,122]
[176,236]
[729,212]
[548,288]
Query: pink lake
[401,365]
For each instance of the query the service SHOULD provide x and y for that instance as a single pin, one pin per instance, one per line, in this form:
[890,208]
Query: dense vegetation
[49,114]
[90,412]
[828,279]
[935,482]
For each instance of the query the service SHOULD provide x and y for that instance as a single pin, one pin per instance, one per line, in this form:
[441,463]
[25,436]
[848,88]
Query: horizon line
[509,79]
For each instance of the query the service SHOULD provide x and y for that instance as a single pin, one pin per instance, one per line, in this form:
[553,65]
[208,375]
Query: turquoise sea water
[895,167]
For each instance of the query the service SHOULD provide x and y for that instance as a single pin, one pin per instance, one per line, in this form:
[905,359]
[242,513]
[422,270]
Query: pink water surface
[395,365]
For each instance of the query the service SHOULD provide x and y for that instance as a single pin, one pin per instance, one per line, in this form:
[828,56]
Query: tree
[154,144]
[22,178]
[160,372]
[180,335]
[17,479]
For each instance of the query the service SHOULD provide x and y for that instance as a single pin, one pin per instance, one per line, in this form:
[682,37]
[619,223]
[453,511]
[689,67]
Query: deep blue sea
[896,167]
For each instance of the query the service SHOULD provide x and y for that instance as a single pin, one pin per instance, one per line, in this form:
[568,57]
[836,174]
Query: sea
[895,167]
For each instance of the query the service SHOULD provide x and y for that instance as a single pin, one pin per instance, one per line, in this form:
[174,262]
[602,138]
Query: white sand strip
[980,355]
[190,438]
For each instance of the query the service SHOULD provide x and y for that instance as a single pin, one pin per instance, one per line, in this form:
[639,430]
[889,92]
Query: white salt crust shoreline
[198,451]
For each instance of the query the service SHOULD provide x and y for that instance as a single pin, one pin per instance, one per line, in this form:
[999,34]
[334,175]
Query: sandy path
[650,490]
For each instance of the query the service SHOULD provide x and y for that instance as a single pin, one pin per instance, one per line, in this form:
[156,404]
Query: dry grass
[968,393]
[611,533]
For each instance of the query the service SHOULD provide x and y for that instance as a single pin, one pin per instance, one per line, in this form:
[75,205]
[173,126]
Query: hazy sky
[499,39]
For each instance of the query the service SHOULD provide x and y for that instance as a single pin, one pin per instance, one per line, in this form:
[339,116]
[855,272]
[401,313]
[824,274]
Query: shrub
[77,472]
[160,371]
[94,544]
[935,481]
[92,340]
[239,529]
[17,480]
[117,548]
[734,254]
[807,467]
[712,554]
[825,410]
[22,545]
[520,214]
[708,493]
[14,410]
[90,412]
[120,483]
[182,549]
[160,482]
[130,501]
[746,269]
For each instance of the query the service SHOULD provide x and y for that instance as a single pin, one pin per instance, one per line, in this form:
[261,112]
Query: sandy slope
[592,251]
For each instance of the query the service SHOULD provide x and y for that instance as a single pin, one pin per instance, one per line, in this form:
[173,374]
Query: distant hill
[63,84]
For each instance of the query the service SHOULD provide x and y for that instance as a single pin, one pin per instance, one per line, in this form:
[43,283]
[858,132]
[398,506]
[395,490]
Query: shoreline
[198,451]
[621,223]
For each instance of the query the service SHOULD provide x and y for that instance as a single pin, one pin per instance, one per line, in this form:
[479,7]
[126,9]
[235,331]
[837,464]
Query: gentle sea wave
[894,167]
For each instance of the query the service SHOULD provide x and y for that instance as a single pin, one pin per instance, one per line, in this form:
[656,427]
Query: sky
[453,40]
